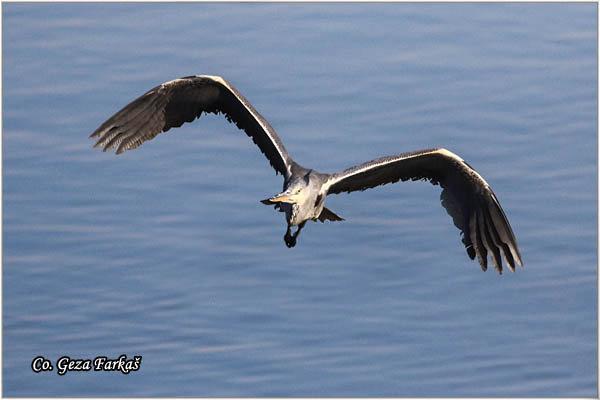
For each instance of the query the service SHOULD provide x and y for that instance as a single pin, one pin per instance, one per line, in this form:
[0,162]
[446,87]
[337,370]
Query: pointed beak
[284,197]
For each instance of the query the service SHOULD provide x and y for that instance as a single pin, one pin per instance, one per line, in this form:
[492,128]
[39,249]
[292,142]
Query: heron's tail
[330,215]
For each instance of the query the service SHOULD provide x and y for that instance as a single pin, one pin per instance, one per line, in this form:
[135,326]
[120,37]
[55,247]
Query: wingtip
[519,261]
[516,260]
[516,255]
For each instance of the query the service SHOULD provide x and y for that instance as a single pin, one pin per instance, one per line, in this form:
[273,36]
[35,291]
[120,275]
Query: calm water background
[166,252]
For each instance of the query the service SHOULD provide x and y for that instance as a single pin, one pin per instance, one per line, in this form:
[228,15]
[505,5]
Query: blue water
[166,252]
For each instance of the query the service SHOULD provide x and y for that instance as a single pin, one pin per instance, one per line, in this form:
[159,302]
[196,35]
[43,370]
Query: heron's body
[466,196]
[309,203]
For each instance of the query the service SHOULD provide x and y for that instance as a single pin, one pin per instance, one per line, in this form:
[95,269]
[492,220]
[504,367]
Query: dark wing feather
[466,196]
[183,100]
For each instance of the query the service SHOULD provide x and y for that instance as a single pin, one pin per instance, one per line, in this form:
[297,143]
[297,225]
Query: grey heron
[467,197]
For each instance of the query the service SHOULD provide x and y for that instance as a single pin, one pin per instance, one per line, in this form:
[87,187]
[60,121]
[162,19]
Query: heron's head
[294,194]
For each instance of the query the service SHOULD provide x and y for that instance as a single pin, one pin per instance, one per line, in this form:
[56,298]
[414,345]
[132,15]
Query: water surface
[166,252]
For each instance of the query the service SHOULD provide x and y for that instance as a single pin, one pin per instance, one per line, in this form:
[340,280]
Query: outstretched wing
[466,196]
[182,100]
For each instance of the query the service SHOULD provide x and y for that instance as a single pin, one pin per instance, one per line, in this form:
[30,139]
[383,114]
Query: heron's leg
[295,235]
[290,240]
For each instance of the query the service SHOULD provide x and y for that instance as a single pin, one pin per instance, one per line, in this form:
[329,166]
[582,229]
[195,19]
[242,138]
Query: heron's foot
[290,240]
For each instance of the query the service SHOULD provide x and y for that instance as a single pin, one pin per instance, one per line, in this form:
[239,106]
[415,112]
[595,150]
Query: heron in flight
[467,197]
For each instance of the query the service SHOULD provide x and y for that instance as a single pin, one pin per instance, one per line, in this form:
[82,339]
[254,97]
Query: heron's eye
[299,190]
